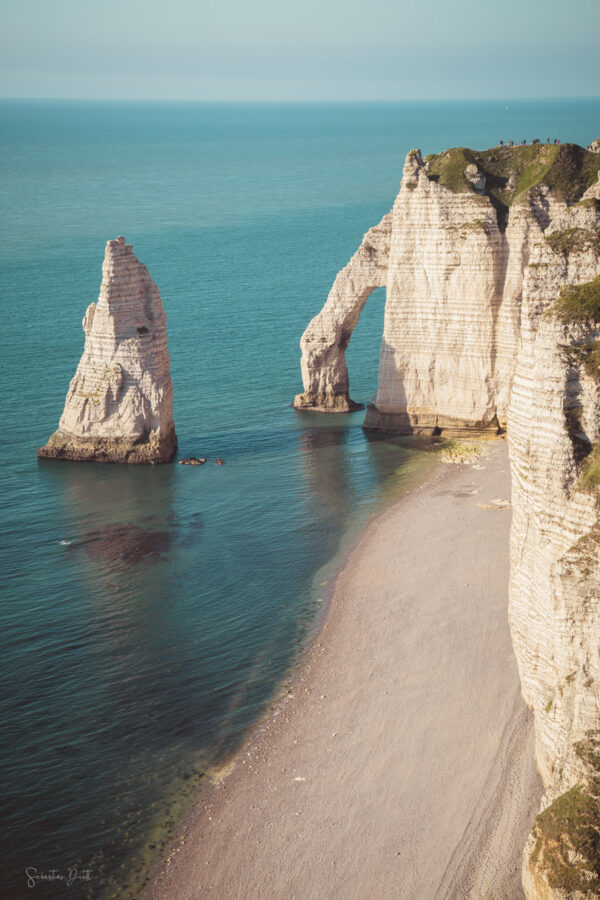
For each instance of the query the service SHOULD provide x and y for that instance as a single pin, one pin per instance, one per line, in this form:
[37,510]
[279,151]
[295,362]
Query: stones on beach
[119,407]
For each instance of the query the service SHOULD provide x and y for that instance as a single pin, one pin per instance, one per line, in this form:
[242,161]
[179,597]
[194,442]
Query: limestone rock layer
[119,407]
[324,342]
[554,603]
[492,320]
[451,254]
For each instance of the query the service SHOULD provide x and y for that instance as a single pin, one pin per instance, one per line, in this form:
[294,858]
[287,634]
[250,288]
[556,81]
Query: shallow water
[149,614]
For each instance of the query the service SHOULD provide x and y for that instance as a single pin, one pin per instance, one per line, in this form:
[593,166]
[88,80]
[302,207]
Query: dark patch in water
[126,542]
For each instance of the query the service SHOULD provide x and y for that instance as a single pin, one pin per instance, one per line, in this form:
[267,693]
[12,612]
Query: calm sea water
[149,615]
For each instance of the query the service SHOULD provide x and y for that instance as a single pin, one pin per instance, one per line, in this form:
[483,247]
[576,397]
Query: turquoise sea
[151,615]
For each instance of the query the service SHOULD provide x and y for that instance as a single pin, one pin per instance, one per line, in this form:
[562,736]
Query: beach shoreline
[400,761]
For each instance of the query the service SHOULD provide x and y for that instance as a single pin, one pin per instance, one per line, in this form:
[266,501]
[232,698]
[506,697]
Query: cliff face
[441,362]
[484,330]
[119,406]
[451,254]
[553,430]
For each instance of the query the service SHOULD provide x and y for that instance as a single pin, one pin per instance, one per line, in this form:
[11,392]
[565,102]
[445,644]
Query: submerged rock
[119,406]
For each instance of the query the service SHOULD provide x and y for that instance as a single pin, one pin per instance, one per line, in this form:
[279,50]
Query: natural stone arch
[324,343]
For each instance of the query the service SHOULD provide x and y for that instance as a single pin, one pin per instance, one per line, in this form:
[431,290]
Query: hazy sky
[308,49]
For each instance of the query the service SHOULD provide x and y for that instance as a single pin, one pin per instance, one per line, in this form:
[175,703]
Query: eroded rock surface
[451,254]
[119,406]
[553,431]
[493,319]
[324,342]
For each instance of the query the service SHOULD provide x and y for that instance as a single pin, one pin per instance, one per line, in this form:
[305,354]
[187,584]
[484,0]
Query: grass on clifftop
[567,169]
[579,302]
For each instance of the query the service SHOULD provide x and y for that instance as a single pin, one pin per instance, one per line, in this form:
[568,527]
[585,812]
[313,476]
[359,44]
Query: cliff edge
[119,407]
[491,263]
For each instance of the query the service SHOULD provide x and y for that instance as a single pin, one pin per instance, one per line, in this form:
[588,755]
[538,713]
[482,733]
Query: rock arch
[324,343]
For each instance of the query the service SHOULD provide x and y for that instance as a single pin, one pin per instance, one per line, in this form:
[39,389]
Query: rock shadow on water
[126,542]
[322,452]
[121,515]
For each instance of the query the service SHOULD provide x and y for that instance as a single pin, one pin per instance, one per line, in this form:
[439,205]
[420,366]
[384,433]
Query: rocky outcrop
[324,342]
[442,366]
[451,254]
[119,406]
[492,320]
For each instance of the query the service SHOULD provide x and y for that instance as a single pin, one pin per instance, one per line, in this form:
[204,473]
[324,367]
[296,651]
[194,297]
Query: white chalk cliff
[119,406]
[324,342]
[491,263]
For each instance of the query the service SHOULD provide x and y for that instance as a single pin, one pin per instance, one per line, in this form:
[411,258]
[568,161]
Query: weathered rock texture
[553,430]
[324,342]
[493,320]
[119,407]
[451,254]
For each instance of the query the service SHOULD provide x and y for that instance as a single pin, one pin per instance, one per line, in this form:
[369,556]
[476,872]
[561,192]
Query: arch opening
[324,343]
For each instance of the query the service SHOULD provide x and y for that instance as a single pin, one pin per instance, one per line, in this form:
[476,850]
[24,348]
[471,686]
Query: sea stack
[119,406]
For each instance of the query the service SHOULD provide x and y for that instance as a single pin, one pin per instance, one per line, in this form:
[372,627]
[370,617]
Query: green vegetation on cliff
[567,169]
[588,752]
[589,477]
[587,355]
[567,848]
[567,833]
[579,302]
[574,240]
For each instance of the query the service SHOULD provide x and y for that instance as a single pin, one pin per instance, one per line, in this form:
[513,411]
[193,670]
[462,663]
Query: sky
[306,50]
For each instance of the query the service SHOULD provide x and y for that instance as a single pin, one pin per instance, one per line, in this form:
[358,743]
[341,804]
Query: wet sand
[401,766]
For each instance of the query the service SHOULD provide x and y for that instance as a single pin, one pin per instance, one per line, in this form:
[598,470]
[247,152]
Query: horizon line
[265,100]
